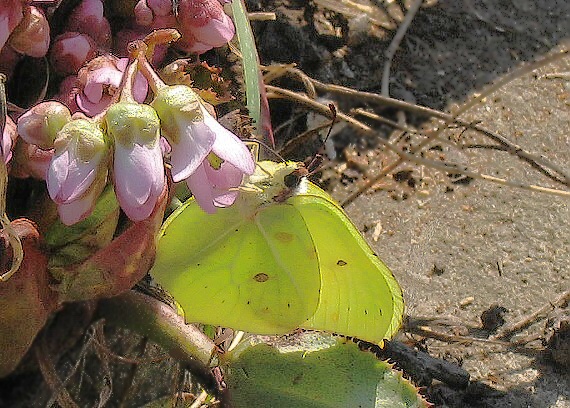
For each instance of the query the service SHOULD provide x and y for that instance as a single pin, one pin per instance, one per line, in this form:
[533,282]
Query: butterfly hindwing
[359,295]
[230,270]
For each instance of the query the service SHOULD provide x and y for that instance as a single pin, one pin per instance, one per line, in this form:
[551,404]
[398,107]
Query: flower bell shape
[153,12]
[193,133]
[41,123]
[138,167]
[78,170]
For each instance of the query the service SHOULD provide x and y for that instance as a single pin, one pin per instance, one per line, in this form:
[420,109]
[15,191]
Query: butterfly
[284,256]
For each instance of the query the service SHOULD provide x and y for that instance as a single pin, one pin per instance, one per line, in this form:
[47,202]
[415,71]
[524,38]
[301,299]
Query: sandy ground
[459,253]
[467,233]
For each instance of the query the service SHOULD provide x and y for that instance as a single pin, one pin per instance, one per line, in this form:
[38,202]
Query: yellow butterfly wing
[257,273]
[359,295]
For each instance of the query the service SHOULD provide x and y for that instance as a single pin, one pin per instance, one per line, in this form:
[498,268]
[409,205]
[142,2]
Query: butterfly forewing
[226,269]
[359,295]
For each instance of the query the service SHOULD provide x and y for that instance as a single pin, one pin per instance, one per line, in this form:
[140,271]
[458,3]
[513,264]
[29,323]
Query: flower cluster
[82,51]
[123,144]
[97,128]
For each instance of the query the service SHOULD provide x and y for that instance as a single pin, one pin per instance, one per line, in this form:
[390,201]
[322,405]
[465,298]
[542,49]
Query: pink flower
[10,16]
[204,25]
[194,135]
[138,167]
[99,80]
[78,169]
[88,18]
[70,51]
[31,36]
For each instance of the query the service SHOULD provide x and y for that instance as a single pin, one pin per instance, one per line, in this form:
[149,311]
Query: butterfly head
[273,181]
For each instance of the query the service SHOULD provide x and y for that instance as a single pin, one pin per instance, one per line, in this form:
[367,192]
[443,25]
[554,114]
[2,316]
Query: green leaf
[314,371]
[250,60]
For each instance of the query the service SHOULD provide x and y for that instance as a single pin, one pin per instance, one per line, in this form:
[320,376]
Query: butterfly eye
[292,180]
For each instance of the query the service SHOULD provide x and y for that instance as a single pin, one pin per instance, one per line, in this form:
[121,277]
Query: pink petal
[69,177]
[226,199]
[201,189]
[140,88]
[143,13]
[225,183]
[93,88]
[75,211]
[6,145]
[160,7]
[229,147]
[226,177]
[89,108]
[57,173]
[139,179]
[216,32]
[191,150]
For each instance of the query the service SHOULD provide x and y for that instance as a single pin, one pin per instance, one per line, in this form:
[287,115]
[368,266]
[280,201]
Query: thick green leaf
[314,371]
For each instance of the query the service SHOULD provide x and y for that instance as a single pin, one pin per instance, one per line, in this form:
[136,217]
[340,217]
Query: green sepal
[72,244]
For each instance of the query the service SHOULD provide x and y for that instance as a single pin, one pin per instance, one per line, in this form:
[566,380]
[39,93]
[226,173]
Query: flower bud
[138,167]
[88,18]
[70,51]
[40,124]
[203,24]
[153,13]
[31,37]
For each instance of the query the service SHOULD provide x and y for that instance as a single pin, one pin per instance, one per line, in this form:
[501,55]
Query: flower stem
[146,69]
[150,317]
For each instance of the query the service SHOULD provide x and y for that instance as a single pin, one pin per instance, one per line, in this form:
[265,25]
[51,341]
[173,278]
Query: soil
[464,250]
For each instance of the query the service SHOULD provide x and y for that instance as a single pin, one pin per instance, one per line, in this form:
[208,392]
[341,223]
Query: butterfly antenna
[269,148]
[316,162]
